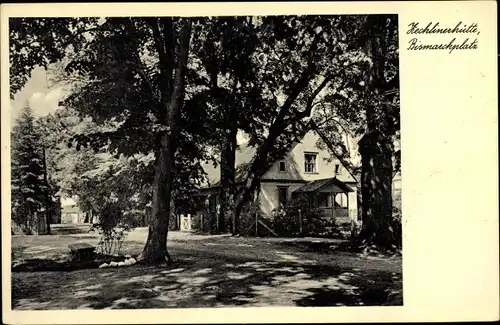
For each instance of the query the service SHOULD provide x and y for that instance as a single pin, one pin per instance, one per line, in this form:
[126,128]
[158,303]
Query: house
[305,171]
[71,213]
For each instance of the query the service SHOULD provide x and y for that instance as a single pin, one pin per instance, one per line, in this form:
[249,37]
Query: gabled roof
[243,159]
[317,185]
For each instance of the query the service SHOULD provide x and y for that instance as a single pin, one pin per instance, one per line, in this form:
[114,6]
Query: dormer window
[282,166]
[310,162]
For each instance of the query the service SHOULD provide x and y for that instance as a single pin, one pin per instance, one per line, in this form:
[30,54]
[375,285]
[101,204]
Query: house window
[282,195]
[310,162]
[282,166]
[337,169]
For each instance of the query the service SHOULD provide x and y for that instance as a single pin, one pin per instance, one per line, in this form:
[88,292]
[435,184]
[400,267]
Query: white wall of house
[268,195]
[70,212]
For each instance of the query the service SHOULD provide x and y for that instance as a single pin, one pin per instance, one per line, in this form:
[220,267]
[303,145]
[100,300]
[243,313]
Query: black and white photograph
[243,162]
[206,163]
[222,161]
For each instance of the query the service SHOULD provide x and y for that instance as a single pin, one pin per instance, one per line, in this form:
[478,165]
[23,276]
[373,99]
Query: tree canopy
[150,99]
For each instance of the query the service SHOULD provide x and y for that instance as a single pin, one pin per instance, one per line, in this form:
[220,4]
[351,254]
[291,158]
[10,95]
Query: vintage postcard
[249,162]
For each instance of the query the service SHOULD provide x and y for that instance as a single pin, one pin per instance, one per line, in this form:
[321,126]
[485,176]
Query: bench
[82,251]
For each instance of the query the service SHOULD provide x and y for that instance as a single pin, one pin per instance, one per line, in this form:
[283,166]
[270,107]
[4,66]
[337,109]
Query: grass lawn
[209,271]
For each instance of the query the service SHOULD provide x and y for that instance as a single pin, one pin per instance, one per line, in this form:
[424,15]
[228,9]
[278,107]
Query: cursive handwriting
[415,44]
[459,28]
[421,34]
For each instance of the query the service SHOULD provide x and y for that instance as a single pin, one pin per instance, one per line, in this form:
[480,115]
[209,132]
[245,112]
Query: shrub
[247,218]
[314,222]
[112,226]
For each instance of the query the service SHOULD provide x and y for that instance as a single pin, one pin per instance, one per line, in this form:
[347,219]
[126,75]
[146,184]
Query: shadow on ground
[316,247]
[206,282]
[324,247]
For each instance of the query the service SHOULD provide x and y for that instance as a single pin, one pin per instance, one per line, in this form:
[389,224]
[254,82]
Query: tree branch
[169,36]
[165,65]
[349,167]
[261,161]
[139,66]
[309,105]
[86,30]
[396,172]
[178,91]
[157,37]
[140,69]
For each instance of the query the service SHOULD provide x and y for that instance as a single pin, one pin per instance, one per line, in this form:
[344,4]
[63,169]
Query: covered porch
[329,194]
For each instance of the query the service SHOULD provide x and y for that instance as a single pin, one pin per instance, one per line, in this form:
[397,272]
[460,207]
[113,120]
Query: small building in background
[71,213]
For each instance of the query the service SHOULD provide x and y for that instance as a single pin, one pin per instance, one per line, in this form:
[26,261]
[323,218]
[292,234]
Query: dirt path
[209,271]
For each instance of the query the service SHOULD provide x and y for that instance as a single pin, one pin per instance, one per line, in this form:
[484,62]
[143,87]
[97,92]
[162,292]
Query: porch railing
[339,214]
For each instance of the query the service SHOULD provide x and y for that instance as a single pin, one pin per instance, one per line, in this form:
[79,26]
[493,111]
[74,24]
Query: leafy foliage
[28,186]
[112,227]
[299,60]
[341,116]
[131,125]
[40,42]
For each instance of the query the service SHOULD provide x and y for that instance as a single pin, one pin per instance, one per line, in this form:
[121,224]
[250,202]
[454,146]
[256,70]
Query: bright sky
[36,91]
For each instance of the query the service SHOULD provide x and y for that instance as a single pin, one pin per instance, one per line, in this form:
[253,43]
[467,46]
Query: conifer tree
[27,162]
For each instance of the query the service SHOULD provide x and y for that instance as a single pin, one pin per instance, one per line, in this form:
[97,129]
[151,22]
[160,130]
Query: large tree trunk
[376,146]
[376,190]
[227,177]
[359,202]
[155,250]
[48,202]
